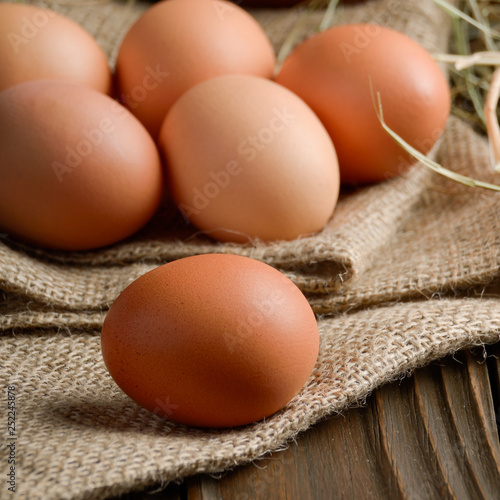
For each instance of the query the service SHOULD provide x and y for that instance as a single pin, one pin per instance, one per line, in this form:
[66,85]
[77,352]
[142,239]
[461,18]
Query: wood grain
[433,435]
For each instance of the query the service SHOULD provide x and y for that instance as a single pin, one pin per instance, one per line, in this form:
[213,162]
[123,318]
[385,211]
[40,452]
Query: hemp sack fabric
[405,272]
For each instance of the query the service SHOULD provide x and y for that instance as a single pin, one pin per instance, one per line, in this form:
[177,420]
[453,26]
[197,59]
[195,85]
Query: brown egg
[331,71]
[78,170]
[248,159]
[211,340]
[179,43]
[38,43]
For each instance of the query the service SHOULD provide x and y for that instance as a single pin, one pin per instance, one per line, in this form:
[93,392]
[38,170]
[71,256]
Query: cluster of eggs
[194,109]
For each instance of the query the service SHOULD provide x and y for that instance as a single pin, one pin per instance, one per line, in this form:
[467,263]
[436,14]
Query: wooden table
[433,435]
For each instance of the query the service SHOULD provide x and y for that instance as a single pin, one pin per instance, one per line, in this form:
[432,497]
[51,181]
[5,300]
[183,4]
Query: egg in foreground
[211,340]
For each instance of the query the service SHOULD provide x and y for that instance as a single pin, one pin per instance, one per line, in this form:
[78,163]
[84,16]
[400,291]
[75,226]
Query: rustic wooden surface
[433,435]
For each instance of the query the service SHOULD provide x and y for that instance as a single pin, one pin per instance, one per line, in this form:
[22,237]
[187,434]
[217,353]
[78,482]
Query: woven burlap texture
[405,273]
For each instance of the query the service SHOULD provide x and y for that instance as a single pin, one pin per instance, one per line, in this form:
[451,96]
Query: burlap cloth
[405,273]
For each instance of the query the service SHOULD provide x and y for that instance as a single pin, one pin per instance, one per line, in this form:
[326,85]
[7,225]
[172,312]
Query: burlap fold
[362,223]
[405,272]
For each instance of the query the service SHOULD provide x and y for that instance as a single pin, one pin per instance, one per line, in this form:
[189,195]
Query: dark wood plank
[405,448]
[477,448]
[493,361]
[433,435]
[446,446]
[329,461]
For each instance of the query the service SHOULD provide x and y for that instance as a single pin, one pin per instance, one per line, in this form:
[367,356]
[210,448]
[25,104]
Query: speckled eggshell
[38,43]
[211,340]
[332,70]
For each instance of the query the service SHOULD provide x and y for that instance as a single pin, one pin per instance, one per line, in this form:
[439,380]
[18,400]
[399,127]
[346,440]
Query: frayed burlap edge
[83,438]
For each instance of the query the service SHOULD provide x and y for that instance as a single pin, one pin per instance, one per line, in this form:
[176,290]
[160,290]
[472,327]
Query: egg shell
[78,170]
[211,340]
[38,43]
[331,71]
[247,159]
[178,43]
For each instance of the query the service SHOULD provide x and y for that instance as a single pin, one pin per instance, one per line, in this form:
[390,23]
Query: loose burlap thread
[404,273]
